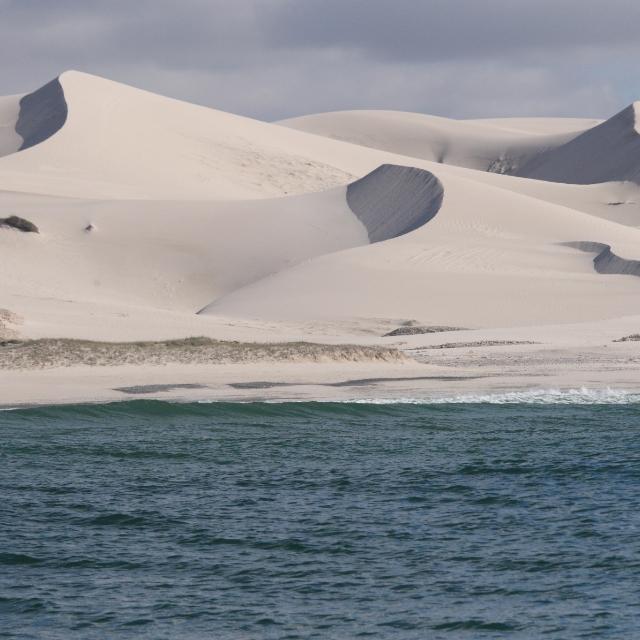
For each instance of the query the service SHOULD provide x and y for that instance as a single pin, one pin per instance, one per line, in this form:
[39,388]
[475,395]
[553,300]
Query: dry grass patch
[53,352]
[634,337]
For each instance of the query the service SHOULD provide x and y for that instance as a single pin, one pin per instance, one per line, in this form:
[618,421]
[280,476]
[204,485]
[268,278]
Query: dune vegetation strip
[634,337]
[54,352]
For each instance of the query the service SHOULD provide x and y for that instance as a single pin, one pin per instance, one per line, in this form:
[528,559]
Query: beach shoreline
[442,373]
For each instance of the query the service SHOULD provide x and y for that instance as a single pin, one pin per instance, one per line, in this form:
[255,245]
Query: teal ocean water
[510,517]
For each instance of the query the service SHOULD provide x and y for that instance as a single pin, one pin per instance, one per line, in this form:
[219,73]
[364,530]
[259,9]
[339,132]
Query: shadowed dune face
[606,153]
[42,113]
[606,261]
[394,200]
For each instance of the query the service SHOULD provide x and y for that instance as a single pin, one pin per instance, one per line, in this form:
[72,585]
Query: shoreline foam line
[547,397]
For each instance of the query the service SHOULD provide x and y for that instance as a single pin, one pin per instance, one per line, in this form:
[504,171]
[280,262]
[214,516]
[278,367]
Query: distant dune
[608,152]
[500,146]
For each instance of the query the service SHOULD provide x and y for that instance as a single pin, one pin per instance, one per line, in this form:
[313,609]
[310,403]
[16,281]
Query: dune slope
[489,258]
[10,140]
[608,152]
[474,144]
[115,141]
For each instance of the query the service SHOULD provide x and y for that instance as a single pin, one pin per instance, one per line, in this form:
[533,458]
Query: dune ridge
[608,152]
[606,261]
[485,145]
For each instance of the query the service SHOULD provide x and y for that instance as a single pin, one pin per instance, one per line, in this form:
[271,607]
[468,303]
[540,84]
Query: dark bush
[21,224]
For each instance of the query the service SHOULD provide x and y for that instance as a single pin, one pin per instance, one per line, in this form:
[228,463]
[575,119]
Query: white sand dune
[160,219]
[173,255]
[548,126]
[484,145]
[606,153]
[605,261]
[489,258]
[178,255]
[121,142]
[488,146]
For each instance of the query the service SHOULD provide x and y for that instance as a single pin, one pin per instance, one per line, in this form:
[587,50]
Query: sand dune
[547,126]
[606,261]
[159,219]
[181,255]
[476,144]
[121,142]
[608,152]
[489,258]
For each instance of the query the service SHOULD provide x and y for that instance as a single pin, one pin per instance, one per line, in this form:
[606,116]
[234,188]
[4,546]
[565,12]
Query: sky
[273,59]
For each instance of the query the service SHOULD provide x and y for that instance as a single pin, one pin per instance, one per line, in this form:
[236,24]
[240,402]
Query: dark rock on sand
[21,224]
[632,338]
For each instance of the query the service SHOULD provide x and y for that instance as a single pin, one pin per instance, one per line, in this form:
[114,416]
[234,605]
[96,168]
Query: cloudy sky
[276,58]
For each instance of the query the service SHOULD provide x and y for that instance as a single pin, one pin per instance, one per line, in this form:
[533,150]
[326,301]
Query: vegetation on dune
[58,352]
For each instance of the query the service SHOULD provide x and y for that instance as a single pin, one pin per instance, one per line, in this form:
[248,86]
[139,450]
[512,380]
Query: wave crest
[529,396]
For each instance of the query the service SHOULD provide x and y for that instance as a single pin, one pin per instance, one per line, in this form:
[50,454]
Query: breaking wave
[532,396]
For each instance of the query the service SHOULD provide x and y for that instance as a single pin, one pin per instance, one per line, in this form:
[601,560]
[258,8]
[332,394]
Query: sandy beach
[496,366]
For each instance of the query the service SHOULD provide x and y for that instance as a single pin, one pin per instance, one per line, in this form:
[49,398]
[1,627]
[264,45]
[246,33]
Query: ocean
[509,516]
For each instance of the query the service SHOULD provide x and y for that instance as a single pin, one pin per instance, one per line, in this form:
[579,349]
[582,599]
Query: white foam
[583,396]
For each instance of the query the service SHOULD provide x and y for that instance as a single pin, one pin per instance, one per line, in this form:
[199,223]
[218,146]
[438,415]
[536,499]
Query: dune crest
[498,146]
[606,261]
[92,137]
[608,152]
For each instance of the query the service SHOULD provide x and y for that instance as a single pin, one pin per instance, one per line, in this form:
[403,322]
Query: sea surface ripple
[154,520]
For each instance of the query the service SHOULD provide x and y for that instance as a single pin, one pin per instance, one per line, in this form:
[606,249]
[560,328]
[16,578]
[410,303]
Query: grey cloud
[434,30]
[276,58]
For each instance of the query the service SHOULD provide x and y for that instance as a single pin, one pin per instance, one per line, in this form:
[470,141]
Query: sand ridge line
[157,388]
[359,382]
[478,343]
